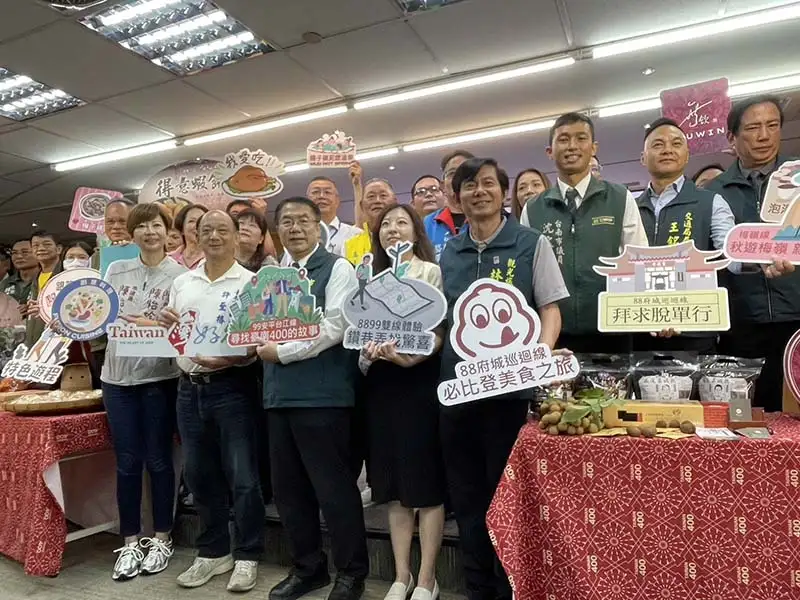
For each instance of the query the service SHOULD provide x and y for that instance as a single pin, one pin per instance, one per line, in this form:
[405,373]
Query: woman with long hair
[405,466]
[190,255]
[528,184]
[252,231]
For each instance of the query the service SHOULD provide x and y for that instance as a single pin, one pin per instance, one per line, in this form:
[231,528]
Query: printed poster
[783,188]
[187,182]
[276,305]
[701,110]
[54,285]
[496,334]
[249,174]
[115,252]
[390,306]
[653,288]
[89,209]
[43,362]
[333,150]
[83,309]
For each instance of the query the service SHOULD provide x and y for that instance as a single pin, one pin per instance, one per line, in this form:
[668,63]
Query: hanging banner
[333,150]
[701,110]
[649,289]
[89,208]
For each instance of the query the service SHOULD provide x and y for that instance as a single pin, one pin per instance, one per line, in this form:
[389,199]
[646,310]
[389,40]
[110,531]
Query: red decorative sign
[702,111]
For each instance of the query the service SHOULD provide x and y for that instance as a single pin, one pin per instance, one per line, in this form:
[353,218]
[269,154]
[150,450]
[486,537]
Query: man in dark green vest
[309,395]
[674,210]
[765,311]
[477,437]
[584,218]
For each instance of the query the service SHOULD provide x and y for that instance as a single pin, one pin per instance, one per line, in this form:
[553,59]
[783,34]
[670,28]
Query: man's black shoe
[294,587]
[347,588]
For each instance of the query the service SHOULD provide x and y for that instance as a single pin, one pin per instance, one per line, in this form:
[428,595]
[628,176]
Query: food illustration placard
[48,294]
[83,309]
[43,362]
[333,150]
[275,305]
[496,333]
[649,289]
[783,188]
[248,174]
[390,306]
[192,181]
[89,208]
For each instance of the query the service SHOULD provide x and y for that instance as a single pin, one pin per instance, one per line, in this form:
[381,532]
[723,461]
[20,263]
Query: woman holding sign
[405,468]
[139,396]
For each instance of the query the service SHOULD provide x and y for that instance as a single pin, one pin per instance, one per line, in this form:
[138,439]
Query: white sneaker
[366,498]
[204,570]
[244,576]
[399,590]
[129,562]
[423,594]
[157,559]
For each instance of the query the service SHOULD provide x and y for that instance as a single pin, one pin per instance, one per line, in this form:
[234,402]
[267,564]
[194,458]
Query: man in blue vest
[584,218]
[446,222]
[309,394]
[674,210]
[765,311]
[477,437]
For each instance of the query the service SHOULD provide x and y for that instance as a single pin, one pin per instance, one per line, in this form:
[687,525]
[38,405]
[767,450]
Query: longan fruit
[542,425]
[586,422]
[552,430]
[662,424]
[571,430]
[579,430]
[688,427]
[563,426]
[554,407]
[674,424]
[593,428]
[634,431]
[648,431]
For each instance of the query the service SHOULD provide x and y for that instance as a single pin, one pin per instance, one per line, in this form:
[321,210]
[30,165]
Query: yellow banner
[705,310]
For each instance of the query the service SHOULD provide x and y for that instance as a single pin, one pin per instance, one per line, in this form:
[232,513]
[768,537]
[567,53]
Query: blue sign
[84,308]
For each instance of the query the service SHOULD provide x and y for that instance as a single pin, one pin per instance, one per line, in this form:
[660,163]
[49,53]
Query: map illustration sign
[275,305]
[496,334]
[83,308]
[653,288]
[43,362]
[701,111]
[89,209]
[249,174]
[390,306]
[333,150]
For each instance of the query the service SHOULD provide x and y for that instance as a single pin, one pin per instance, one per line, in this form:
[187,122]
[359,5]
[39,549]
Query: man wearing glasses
[448,221]
[323,192]
[26,267]
[427,195]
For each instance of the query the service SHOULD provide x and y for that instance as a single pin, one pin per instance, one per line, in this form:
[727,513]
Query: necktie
[571,196]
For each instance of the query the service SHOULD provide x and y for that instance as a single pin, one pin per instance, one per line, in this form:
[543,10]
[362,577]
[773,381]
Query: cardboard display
[249,174]
[701,110]
[54,285]
[83,309]
[88,209]
[42,363]
[496,334]
[333,150]
[192,181]
[783,188]
[390,306]
[649,289]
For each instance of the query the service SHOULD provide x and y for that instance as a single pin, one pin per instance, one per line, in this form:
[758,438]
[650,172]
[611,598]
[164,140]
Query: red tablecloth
[32,525]
[582,518]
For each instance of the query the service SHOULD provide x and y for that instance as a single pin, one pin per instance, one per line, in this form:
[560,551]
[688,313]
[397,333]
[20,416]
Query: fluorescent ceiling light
[629,107]
[108,157]
[184,36]
[768,85]
[297,167]
[701,30]
[22,98]
[376,153]
[464,83]
[267,125]
[481,135]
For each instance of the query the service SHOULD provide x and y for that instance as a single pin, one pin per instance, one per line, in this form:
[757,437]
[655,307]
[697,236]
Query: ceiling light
[116,155]
[239,131]
[481,135]
[464,83]
[297,167]
[376,153]
[648,71]
[629,107]
[184,36]
[767,85]
[23,98]
[392,167]
[701,30]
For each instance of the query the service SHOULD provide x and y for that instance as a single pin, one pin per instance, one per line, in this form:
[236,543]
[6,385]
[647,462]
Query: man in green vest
[584,218]
[674,210]
[765,311]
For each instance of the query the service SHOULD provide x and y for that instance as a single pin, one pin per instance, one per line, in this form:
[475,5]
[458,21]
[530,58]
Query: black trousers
[311,470]
[359,433]
[605,343]
[476,441]
[767,341]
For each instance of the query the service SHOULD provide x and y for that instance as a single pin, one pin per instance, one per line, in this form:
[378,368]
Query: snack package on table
[665,377]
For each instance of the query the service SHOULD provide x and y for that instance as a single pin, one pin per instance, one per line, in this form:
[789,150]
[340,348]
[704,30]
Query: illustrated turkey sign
[496,334]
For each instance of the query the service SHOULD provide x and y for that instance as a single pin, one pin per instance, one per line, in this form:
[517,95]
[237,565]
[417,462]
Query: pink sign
[88,209]
[702,111]
[762,243]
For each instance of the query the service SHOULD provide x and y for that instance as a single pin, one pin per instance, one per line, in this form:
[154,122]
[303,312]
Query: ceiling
[367,46]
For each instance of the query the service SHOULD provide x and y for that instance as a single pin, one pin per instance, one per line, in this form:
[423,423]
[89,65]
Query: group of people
[294,421]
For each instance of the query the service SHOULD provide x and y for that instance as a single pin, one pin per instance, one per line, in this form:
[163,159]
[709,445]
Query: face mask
[76,263]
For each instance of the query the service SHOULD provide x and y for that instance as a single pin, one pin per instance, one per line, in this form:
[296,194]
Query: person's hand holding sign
[388,351]
[667,332]
[268,352]
[777,269]
[169,317]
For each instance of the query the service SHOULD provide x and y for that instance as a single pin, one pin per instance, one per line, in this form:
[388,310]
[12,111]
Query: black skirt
[406,462]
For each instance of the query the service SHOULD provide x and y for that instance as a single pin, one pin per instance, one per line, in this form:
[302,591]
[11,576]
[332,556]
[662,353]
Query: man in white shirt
[309,395]
[323,192]
[584,218]
[218,414]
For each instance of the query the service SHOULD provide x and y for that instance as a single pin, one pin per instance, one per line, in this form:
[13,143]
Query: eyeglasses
[302,222]
[424,191]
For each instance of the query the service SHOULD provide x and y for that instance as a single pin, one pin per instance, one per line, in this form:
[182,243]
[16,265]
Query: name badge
[602,221]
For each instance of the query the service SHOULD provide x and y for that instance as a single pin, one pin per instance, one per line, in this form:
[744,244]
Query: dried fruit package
[665,378]
[607,372]
[727,378]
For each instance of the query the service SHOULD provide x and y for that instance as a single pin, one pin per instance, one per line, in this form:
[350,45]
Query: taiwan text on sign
[701,111]
[496,333]
[649,289]
[333,150]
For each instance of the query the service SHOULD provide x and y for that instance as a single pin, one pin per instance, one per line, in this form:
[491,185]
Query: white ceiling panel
[475,35]
[8,188]
[99,126]
[33,177]
[264,85]
[68,56]
[21,17]
[44,147]
[176,107]
[739,6]
[11,164]
[381,57]
[285,22]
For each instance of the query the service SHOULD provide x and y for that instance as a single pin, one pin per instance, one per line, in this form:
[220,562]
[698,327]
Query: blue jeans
[142,423]
[218,419]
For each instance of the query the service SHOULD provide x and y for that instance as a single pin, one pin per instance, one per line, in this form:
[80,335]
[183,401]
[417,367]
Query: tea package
[728,379]
[665,378]
[607,372]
